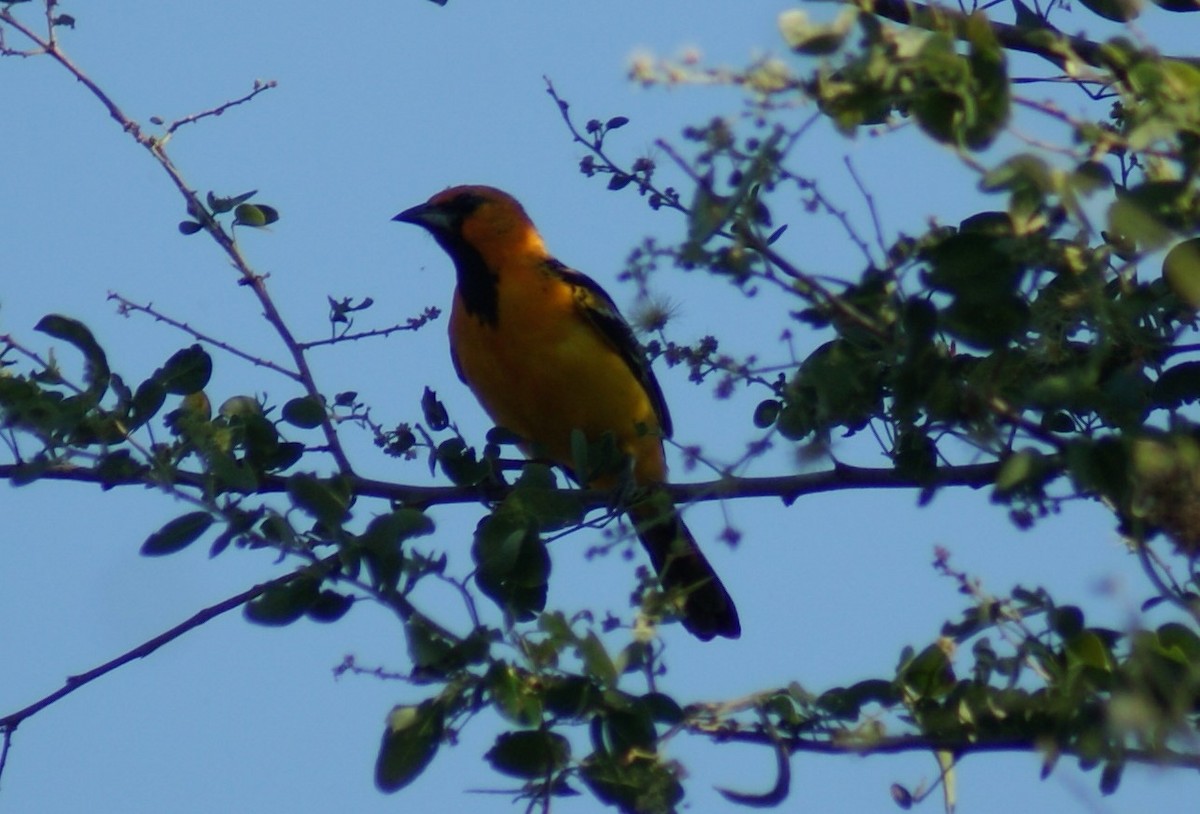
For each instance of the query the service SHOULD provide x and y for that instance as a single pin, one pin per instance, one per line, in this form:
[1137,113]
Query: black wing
[602,312]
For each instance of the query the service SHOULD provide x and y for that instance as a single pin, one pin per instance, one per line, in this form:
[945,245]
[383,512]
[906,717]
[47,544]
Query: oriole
[546,352]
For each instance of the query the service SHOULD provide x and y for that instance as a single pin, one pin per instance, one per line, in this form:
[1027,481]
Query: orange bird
[546,352]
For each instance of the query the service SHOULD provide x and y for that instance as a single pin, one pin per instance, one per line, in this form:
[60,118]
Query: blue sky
[378,106]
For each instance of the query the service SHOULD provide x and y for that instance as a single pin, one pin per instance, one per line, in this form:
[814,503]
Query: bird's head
[480,218]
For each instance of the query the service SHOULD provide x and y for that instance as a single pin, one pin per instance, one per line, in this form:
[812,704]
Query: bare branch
[10,722]
[897,744]
[786,487]
[126,306]
[259,87]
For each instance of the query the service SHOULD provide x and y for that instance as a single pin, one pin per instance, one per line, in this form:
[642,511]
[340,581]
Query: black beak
[427,216]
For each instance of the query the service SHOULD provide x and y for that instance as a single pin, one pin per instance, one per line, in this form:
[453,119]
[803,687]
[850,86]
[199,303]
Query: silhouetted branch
[786,487]
[10,722]
[895,744]
[1015,38]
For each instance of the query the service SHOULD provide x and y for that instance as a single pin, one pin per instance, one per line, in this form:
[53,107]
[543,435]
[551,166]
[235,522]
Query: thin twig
[10,722]
[125,306]
[871,208]
[415,323]
[259,87]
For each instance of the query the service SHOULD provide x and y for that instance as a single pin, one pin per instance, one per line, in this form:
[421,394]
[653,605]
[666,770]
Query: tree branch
[1046,42]
[259,87]
[10,722]
[786,487]
[127,306]
[924,743]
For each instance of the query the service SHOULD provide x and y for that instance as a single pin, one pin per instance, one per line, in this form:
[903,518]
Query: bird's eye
[466,203]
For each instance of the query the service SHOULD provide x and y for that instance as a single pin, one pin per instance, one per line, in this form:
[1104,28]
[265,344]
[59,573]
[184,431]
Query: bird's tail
[708,609]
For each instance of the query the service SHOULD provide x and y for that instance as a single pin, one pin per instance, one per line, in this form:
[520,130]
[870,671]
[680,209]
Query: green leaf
[938,103]
[1088,649]
[148,399]
[1125,397]
[1179,643]
[838,385]
[529,754]
[929,673]
[597,663]
[1178,5]
[255,215]
[119,467]
[1067,621]
[796,420]
[1110,776]
[513,564]
[329,606]
[974,265]
[915,456]
[1023,472]
[410,742]
[708,214]
[1181,271]
[275,528]
[1023,171]
[572,697]
[765,413]
[382,544]
[662,708]
[630,730]
[1178,385]
[1101,467]
[988,326]
[804,36]
[287,454]
[236,406]
[327,500]
[258,437]
[619,180]
[988,98]
[284,604]
[516,695]
[177,534]
[220,205]
[872,691]
[1150,213]
[1091,176]
[1119,11]
[305,412]
[399,525]
[96,372]
[460,464]
[187,371]
[599,458]
[426,647]
[436,417]
[537,495]
[636,785]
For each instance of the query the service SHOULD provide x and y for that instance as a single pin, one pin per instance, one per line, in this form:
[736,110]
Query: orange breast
[544,371]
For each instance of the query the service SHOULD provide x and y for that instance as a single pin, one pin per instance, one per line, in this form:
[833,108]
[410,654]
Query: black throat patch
[477,284]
